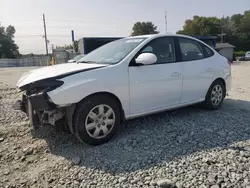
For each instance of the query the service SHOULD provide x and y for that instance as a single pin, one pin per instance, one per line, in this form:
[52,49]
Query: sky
[101,18]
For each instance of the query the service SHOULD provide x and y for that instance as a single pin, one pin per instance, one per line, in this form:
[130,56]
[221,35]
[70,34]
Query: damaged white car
[124,79]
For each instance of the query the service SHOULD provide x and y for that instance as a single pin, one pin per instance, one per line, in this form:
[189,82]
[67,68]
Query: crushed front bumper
[40,110]
[21,105]
[39,101]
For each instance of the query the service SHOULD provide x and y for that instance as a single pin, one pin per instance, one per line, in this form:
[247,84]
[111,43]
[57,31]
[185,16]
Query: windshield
[112,52]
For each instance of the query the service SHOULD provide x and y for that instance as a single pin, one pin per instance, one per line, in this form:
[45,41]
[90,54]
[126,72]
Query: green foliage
[201,26]
[8,48]
[236,28]
[239,54]
[144,28]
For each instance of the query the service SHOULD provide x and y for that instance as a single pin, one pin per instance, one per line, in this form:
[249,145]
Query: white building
[226,50]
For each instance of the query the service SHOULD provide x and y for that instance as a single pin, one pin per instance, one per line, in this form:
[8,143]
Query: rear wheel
[97,119]
[215,95]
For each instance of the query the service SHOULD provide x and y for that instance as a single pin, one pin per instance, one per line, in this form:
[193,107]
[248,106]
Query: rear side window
[190,50]
[208,52]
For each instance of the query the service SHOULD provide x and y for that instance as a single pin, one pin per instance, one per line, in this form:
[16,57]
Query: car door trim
[158,110]
[177,43]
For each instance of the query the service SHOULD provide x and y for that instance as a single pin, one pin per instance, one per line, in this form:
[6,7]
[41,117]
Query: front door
[158,85]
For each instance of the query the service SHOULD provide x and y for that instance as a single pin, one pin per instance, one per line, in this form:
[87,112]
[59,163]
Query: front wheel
[97,119]
[215,95]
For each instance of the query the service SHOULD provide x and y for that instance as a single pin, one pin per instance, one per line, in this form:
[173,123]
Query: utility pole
[222,30]
[166,22]
[45,35]
[73,40]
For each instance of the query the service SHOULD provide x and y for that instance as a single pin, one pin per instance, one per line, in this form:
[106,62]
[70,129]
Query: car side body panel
[115,79]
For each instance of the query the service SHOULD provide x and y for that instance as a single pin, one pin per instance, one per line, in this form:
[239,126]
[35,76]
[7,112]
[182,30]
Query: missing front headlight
[42,85]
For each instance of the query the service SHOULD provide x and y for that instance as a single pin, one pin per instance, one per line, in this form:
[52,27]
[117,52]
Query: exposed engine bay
[41,110]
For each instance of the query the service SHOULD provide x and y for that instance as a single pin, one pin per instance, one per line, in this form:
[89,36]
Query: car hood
[54,71]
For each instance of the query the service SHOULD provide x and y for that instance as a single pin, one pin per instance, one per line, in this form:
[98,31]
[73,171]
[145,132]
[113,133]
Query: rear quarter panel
[223,70]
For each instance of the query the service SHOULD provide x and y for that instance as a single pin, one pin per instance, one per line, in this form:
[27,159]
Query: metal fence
[62,56]
[29,61]
[38,60]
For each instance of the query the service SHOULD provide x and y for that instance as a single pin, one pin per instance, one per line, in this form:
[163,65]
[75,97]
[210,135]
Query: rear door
[198,71]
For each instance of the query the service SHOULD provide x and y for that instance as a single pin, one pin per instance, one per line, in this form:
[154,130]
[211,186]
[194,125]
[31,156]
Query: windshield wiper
[87,62]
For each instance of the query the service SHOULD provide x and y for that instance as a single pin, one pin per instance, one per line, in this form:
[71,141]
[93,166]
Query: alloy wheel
[216,95]
[100,121]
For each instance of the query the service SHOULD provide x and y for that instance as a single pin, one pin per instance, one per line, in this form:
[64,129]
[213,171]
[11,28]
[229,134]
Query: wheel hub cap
[216,95]
[100,121]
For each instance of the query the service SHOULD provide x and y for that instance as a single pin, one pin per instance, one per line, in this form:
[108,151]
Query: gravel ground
[189,147]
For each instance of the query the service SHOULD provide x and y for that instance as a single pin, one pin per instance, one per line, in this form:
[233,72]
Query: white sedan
[124,79]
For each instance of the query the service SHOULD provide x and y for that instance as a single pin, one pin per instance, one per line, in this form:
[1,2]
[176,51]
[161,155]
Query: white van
[247,55]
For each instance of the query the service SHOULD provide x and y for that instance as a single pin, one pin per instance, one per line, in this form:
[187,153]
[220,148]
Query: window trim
[133,64]
[206,54]
[195,41]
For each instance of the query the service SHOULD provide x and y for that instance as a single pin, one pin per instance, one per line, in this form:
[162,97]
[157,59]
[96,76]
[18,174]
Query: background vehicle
[124,79]
[75,59]
[242,58]
[247,56]
[88,44]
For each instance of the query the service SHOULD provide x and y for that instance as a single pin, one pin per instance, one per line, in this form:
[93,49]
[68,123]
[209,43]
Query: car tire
[96,119]
[215,95]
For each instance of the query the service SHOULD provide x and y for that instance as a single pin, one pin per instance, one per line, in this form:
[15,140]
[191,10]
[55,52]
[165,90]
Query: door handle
[209,69]
[176,74]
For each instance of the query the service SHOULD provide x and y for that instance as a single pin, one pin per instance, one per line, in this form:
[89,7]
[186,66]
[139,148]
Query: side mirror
[146,59]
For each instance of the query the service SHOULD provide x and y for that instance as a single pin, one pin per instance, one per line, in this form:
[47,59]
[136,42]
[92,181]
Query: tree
[8,48]
[236,28]
[144,28]
[201,26]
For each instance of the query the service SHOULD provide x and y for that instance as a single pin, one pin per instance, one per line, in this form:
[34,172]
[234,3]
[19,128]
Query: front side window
[112,52]
[190,50]
[163,48]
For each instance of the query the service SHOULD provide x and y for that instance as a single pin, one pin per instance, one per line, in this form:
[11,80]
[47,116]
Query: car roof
[161,35]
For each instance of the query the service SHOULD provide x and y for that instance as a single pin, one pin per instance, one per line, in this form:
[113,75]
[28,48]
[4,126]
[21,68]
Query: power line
[92,22]
[40,35]
[82,22]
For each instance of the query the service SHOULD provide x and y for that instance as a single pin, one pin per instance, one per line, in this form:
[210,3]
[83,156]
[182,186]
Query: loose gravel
[189,147]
